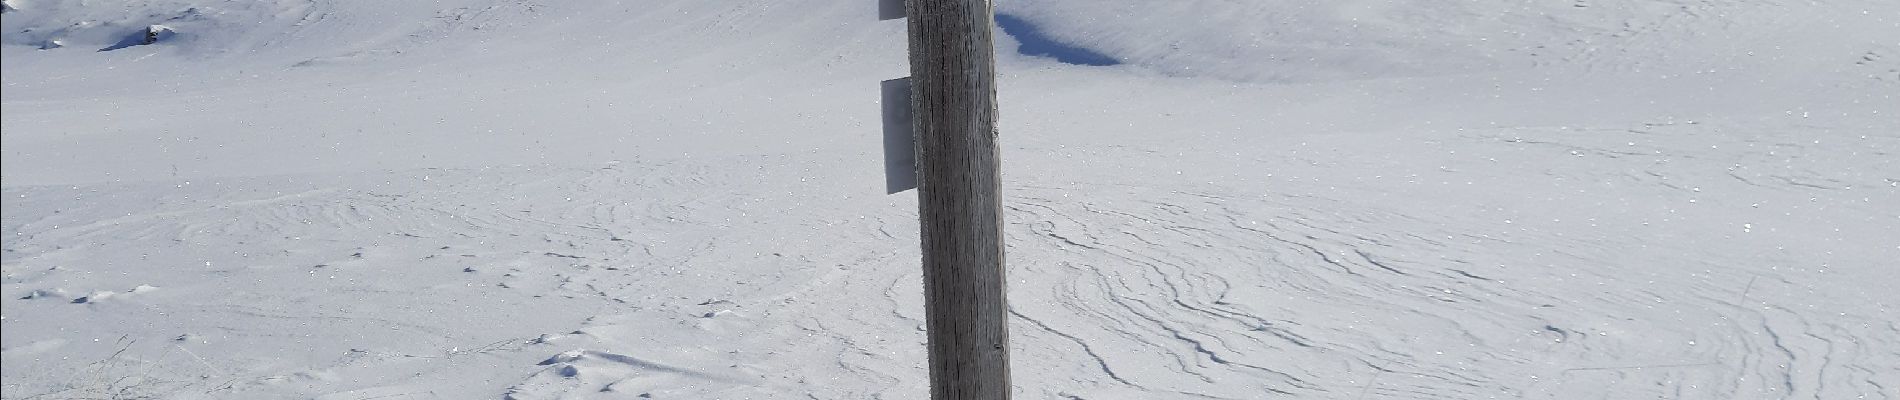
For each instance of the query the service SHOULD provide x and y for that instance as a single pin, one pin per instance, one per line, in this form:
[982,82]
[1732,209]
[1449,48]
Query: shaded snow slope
[1287,40]
[1605,199]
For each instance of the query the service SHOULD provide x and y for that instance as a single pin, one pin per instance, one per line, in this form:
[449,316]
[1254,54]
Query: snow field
[678,199]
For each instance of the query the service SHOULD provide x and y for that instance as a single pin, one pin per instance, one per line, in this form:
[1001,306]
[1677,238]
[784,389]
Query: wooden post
[953,71]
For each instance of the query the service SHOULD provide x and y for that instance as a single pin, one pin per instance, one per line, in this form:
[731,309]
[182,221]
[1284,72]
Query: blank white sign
[900,142]
[890,9]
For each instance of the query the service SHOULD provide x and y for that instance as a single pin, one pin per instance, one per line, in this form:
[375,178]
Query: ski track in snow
[670,279]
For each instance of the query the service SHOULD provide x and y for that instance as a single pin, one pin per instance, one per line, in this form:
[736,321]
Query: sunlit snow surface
[1608,199]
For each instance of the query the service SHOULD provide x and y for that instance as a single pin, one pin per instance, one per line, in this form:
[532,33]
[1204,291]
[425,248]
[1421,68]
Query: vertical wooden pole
[953,72]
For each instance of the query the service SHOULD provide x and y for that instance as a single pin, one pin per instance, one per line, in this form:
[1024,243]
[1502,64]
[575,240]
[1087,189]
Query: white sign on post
[890,9]
[900,142]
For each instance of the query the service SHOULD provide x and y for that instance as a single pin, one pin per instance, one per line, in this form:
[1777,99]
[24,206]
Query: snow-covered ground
[1355,199]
